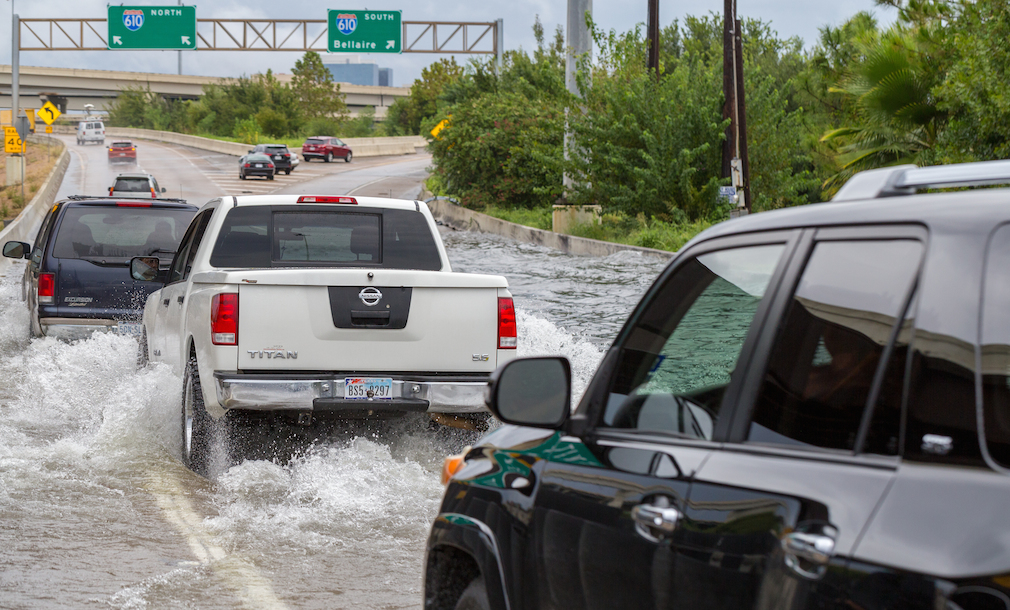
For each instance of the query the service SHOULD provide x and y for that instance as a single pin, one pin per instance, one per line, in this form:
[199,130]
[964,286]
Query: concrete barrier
[461,218]
[361,147]
[23,227]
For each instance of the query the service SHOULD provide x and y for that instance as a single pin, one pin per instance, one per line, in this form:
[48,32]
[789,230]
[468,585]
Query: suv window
[996,348]
[275,149]
[119,232]
[828,350]
[132,185]
[677,360]
[314,141]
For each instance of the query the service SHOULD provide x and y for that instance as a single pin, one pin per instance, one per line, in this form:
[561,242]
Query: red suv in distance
[326,148]
[122,152]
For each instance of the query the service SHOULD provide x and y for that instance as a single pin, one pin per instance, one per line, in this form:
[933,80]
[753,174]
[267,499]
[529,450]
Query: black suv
[810,408]
[78,278]
[279,154]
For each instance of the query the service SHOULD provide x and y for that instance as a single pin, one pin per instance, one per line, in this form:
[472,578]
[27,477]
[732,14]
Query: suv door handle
[165,302]
[807,554]
[655,521]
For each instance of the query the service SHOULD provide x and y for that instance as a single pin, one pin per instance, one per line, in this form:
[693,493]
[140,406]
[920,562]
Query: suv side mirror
[144,268]
[533,392]
[251,150]
[164,190]
[17,249]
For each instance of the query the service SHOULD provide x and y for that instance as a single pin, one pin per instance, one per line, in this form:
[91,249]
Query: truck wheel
[270,177]
[287,172]
[197,425]
[474,596]
[347,159]
[328,157]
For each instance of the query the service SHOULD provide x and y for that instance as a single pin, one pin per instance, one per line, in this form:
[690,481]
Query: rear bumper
[325,393]
[70,329]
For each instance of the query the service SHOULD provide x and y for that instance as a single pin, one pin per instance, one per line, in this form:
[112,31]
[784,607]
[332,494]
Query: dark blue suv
[78,276]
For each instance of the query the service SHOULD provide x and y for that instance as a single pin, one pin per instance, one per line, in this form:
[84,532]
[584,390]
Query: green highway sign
[152,27]
[364,31]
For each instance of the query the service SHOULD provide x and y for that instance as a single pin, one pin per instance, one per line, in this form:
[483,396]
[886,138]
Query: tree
[318,96]
[424,96]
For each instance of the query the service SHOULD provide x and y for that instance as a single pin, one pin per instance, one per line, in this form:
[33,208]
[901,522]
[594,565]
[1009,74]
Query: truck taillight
[507,338]
[224,319]
[47,288]
[153,194]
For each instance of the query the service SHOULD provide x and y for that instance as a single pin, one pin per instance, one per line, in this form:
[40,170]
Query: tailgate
[367,327]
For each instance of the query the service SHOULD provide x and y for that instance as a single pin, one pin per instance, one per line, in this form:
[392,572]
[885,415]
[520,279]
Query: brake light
[247,165]
[507,338]
[153,195]
[47,288]
[134,148]
[270,165]
[110,189]
[224,319]
[322,199]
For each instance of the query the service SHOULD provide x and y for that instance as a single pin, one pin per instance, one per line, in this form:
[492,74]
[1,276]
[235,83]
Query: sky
[789,18]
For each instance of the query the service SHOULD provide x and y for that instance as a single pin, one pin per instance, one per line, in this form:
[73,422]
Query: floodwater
[96,510]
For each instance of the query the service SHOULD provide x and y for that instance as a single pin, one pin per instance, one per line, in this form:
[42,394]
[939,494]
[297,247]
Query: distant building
[349,69]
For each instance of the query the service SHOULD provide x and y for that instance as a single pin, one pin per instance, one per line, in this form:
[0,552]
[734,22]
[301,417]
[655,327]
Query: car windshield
[120,232]
[313,142]
[257,159]
[132,185]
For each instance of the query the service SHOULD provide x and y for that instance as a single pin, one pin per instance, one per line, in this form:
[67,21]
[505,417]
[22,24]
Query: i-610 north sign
[364,31]
[152,27]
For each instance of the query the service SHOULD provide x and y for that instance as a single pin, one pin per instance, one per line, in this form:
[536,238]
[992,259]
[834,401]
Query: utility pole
[15,66]
[735,164]
[180,52]
[653,37]
[499,43]
[580,42]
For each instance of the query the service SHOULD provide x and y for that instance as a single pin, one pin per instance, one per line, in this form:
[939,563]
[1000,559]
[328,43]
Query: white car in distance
[302,308]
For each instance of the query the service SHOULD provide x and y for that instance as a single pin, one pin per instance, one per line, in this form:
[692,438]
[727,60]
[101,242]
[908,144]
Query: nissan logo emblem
[370,296]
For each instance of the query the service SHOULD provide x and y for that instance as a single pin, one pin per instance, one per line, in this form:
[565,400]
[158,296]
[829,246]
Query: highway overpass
[71,88]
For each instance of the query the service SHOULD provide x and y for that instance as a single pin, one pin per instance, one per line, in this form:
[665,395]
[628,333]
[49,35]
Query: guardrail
[23,227]
[361,147]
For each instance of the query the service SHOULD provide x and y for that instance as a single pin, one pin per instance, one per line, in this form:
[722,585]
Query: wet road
[97,511]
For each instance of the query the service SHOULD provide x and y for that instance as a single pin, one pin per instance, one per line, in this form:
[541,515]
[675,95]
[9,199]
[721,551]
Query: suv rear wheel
[328,157]
[197,424]
[474,597]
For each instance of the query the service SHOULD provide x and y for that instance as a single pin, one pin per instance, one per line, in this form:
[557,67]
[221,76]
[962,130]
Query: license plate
[132,329]
[122,154]
[368,388]
[278,158]
[258,165]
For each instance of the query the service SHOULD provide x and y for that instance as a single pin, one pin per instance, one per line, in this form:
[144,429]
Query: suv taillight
[47,288]
[507,338]
[224,319]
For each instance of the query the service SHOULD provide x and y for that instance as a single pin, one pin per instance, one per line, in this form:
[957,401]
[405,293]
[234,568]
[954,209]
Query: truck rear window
[266,236]
[115,232]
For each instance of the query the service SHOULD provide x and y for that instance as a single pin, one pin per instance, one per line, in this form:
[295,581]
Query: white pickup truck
[304,307]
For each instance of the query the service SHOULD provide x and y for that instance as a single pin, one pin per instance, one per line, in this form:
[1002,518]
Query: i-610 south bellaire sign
[152,27]
[364,31]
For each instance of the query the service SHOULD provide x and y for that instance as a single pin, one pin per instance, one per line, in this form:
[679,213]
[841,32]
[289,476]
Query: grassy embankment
[40,161]
[617,228]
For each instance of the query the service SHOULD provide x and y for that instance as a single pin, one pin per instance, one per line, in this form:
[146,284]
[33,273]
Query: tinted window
[313,141]
[183,262]
[257,159]
[132,185]
[263,236]
[996,348]
[122,144]
[677,361]
[276,149]
[119,232]
[828,350]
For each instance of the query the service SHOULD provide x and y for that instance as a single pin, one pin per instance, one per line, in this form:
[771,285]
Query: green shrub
[247,131]
[321,126]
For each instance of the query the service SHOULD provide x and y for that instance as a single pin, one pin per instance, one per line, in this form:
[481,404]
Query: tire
[328,157]
[197,425]
[142,357]
[270,177]
[347,159]
[241,176]
[474,597]
[287,172]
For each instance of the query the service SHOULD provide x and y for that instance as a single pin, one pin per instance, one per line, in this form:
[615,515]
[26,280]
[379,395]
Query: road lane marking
[237,573]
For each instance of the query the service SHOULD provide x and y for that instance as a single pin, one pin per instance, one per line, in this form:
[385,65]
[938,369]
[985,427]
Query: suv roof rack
[117,197]
[907,179]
